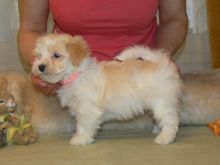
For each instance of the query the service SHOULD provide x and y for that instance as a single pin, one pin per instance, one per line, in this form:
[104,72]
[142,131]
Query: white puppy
[98,92]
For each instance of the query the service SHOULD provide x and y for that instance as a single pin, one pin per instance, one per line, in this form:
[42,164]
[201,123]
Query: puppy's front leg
[88,118]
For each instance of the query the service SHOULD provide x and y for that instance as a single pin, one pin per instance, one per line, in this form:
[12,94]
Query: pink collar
[70,78]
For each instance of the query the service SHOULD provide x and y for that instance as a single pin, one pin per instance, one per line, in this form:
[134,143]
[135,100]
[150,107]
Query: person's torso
[109,26]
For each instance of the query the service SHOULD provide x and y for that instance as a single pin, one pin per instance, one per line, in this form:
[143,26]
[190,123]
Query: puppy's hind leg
[88,119]
[168,121]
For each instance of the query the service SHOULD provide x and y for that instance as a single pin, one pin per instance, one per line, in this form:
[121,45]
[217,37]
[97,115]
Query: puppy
[98,92]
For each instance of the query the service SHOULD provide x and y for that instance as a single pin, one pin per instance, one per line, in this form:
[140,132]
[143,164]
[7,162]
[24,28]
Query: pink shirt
[109,26]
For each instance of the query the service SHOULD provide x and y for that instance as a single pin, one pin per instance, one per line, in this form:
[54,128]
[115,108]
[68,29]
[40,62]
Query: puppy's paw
[81,140]
[164,138]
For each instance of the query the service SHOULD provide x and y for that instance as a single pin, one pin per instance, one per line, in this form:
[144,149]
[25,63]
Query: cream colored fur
[47,116]
[200,104]
[109,91]
[201,98]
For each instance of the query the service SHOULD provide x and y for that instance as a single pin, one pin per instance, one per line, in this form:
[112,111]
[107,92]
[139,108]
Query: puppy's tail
[141,52]
[159,57]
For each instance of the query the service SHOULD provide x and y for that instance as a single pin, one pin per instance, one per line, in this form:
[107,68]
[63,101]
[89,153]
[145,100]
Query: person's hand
[45,87]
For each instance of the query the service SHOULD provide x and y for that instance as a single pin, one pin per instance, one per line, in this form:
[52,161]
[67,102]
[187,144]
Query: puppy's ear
[78,49]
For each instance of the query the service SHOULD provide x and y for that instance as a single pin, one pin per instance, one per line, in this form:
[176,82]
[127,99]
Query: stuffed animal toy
[14,126]
[215,127]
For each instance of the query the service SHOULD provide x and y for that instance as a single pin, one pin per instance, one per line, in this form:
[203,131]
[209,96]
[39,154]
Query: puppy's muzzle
[42,67]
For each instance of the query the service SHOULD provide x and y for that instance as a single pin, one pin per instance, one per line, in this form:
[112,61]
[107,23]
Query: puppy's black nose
[42,67]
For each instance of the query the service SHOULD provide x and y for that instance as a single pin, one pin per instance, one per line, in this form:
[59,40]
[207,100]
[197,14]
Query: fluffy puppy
[98,92]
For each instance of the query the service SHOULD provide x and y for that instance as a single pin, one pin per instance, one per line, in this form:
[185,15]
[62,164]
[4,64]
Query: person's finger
[38,82]
[51,89]
[45,87]
[41,83]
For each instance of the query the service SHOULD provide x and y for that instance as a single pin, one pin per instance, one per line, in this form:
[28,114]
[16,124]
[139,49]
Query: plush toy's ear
[78,49]
[3,84]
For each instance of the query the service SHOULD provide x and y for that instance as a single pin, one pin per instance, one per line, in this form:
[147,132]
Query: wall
[9,59]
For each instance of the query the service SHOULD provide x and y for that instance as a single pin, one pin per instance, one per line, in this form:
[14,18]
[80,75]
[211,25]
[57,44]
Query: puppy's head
[57,55]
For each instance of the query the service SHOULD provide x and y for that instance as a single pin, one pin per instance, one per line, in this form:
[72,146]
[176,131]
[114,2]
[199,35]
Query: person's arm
[173,22]
[33,23]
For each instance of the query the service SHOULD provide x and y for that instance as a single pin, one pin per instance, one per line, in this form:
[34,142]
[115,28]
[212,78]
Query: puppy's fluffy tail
[167,67]
[141,52]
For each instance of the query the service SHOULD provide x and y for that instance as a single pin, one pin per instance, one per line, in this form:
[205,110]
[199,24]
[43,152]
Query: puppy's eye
[56,55]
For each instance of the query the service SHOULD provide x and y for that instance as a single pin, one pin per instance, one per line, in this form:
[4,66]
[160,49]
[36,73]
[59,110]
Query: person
[108,26]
